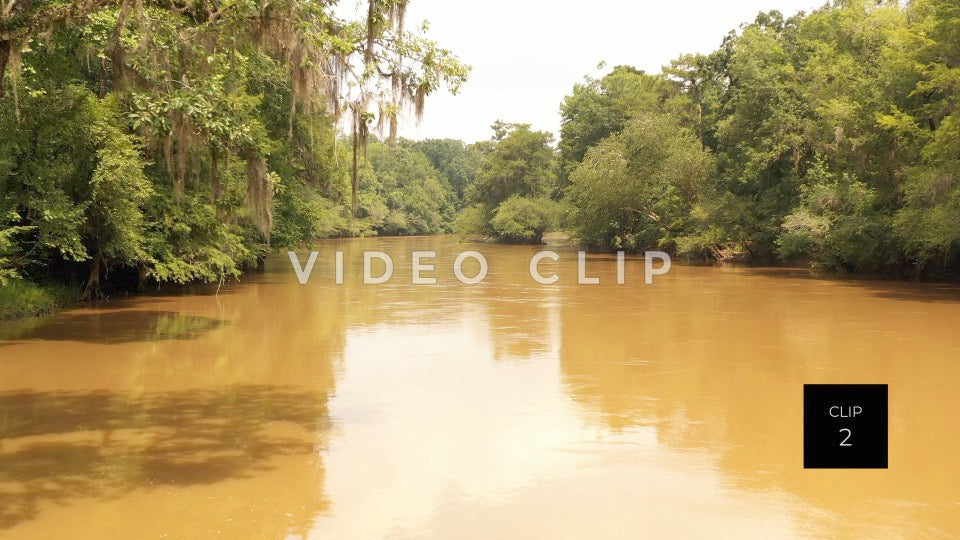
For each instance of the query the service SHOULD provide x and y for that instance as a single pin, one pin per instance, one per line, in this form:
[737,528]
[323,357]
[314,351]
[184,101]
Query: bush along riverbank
[20,298]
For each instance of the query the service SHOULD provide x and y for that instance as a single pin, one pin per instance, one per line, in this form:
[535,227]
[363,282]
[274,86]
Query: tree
[118,189]
[522,162]
[599,108]
[635,189]
[697,78]
[926,224]
[836,224]
[510,198]
[524,219]
[398,69]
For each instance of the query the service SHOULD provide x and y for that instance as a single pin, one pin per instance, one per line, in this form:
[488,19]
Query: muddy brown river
[505,409]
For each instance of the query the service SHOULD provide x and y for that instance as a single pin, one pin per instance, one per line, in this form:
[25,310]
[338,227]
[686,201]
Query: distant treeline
[831,138]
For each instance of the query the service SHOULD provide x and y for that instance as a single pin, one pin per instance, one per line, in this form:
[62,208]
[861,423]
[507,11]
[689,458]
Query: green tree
[524,219]
[599,108]
[635,189]
[926,224]
[511,195]
[522,162]
[117,191]
[837,224]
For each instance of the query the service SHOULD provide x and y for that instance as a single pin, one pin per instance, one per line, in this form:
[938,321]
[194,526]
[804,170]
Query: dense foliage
[404,194]
[832,137]
[636,189]
[171,142]
[511,196]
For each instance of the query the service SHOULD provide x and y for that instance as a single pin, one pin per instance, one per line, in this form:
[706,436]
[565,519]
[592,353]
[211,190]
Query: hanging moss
[260,195]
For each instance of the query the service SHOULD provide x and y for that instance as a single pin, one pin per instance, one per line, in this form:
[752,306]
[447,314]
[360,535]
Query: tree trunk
[102,72]
[141,276]
[355,174]
[91,291]
[4,58]
[393,130]
[371,31]
[395,98]
[180,135]
[214,177]
[116,52]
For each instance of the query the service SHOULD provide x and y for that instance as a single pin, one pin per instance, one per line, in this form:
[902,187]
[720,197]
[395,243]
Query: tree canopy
[834,137]
[181,139]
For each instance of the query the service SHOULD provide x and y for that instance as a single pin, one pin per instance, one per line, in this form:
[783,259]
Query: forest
[145,142]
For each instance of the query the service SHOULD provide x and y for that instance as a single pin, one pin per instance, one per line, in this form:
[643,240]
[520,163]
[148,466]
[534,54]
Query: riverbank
[20,298]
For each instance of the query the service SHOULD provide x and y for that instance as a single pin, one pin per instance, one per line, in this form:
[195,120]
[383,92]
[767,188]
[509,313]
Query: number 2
[844,441]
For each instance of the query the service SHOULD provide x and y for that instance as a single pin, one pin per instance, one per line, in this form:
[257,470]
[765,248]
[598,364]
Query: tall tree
[598,108]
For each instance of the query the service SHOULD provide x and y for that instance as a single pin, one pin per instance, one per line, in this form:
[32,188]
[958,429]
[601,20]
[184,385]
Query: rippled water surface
[500,410]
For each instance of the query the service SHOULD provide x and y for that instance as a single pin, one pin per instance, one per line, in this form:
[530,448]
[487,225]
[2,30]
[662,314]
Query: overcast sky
[527,54]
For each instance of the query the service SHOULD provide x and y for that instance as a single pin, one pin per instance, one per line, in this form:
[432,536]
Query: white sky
[527,54]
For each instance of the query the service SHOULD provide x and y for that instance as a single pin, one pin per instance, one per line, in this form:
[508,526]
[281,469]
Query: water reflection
[191,416]
[115,327]
[504,409]
[59,446]
[717,367]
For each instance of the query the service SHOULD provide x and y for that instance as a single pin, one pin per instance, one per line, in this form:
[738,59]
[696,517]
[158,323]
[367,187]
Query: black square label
[845,426]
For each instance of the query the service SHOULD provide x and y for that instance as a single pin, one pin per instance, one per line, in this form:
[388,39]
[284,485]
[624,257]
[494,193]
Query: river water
[505,409]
